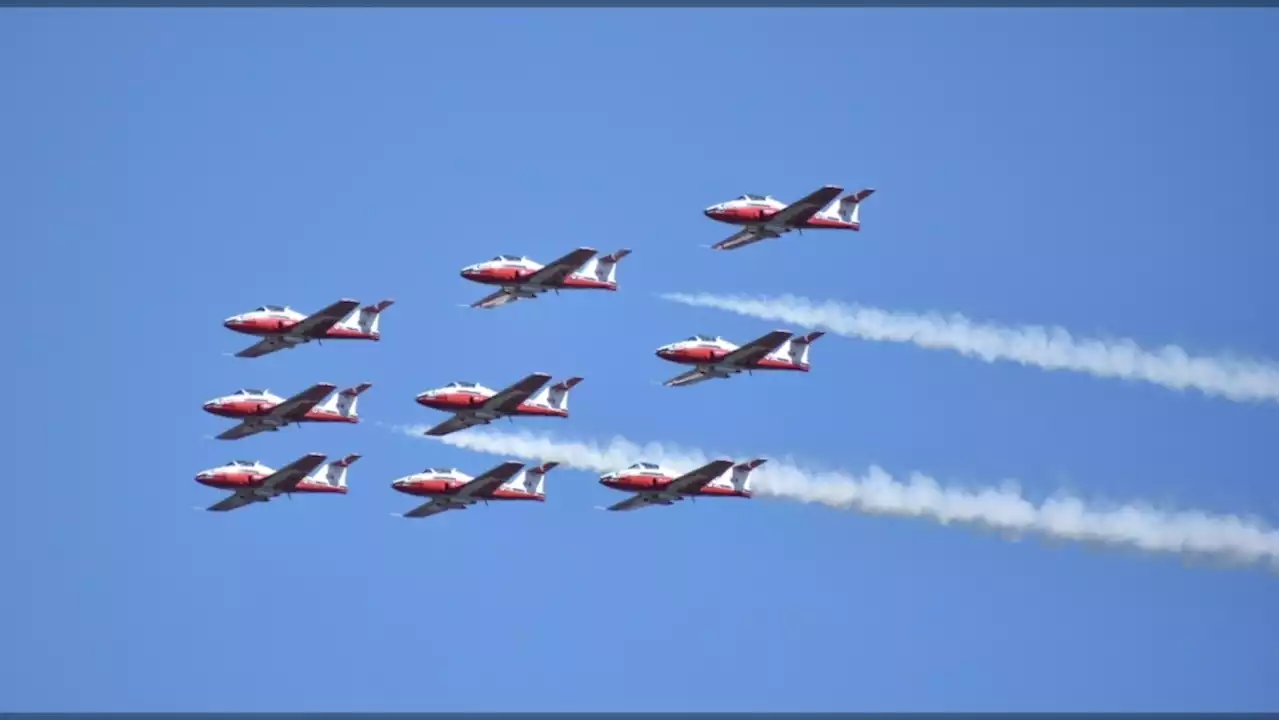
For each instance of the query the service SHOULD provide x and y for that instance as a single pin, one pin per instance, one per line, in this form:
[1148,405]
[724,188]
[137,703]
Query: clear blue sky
[1109,171]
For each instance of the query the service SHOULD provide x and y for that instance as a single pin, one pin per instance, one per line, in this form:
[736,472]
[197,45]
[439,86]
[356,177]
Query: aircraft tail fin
[345,401]
[557,396]
[368,318]
[334,474]
[798,347]
[605,269]
[847,209]
[741,475]
[533,480]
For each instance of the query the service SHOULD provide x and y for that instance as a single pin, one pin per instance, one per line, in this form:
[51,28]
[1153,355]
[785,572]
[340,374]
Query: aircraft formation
[760,217]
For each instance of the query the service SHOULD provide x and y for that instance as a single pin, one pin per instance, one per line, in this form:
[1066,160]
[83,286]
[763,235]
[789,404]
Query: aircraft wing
[753,351]
[554,272]
[287,478]
[231,502]
[636,502]
[747,236]
[265,346]
[299,405]
[510,398]
[435,506]
[693,377]
[497,299]
[806,207]
[244,429]
[692,482]
[461,421]
[489,481]
[318,323]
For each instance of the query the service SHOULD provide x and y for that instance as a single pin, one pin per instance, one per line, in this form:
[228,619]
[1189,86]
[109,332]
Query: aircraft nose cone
[209,406]
[663,353]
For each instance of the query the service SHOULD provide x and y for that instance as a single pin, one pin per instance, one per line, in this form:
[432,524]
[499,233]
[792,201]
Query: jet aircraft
[715,357]
[474,404]
[254,482]
[282,327]
[765,217]
[452,489]
[520,277]
[655,485]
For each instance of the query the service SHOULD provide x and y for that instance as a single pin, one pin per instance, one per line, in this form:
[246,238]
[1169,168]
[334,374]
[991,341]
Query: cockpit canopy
[508,258]
[643,466]
[462,384]
[702,338]
[272,308]
[755,198]
[249,391]
[242,463]
[439,471]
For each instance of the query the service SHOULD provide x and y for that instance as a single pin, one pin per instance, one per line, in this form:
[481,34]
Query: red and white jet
[716,357]
[521,277]
[766,217]
[262,410]
[452,489]
[654,485]
[475,404]
[282,327]
[254,482]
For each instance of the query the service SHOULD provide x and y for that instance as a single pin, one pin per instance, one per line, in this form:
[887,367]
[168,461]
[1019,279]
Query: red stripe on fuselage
[239,481]
[651,483]
[261,327]
[431,488]
[759,216]
[709,356]
[454,402]
[257,408]
[515,276]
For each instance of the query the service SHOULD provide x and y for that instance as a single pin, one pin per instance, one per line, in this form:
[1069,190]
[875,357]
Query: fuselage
[460,397]
[280,320]
[656,481]
[244,475]
[735,213]
[247,406]
[704,350]
[432,484]
[515,271]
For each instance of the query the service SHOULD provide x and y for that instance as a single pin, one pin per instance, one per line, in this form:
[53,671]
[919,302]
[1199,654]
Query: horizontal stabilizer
[352,392]
[567,384]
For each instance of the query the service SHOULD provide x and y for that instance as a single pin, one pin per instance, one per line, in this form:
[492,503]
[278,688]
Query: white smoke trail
[876,492]
[1050,348]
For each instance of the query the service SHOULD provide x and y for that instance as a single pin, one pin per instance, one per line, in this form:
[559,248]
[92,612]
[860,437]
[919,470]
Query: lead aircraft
[521,277]
[766,217]
[452,489]
[254,482]
[262,410]
[474,404]
[282,327]
[715,357]
[655,485]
